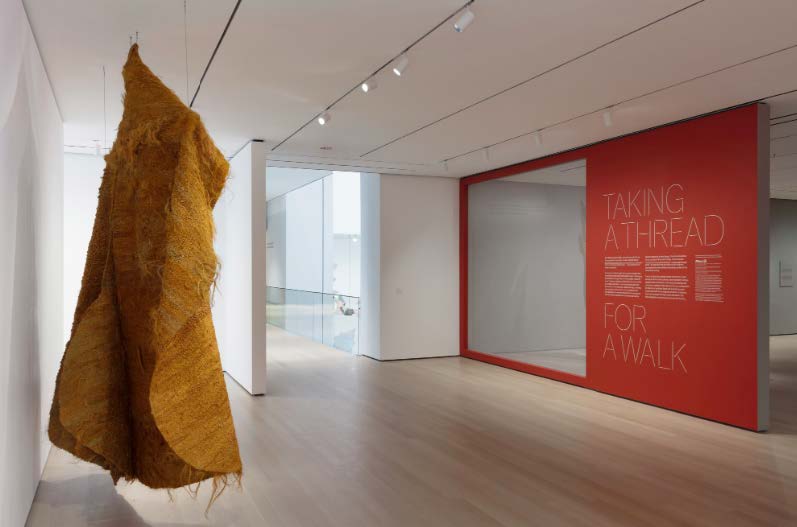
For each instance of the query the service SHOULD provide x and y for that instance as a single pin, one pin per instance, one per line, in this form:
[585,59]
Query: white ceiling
[521,66]
[78,37]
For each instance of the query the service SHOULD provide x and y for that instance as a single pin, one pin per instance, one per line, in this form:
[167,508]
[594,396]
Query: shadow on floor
[87,500]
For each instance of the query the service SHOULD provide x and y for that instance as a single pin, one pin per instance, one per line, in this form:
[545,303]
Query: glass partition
[526,267]
[313,260]
[331,319]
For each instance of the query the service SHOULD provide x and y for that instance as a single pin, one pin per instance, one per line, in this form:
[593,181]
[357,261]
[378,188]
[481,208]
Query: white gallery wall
[304,236]
[31,270]
[782,265]
[342,233]
[239,304]
[410,284]
[276,242]
[82,178]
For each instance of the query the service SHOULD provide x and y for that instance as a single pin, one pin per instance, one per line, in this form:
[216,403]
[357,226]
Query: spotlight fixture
[607,118]
[464,20]
[486,153]
[538,138]
[97,148]
[324,118]
[401,64]
[369,85]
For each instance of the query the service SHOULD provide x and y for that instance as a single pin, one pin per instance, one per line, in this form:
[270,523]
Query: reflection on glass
[331,319]
[313,261]
[526,267]
[341,322]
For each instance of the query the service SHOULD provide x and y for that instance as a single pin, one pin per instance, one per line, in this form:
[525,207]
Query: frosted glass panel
[275,242]
[526,274]
[342,234]
[304,232]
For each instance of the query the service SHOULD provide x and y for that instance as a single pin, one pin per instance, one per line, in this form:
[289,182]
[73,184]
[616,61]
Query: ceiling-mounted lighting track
[546,72]
[399,62]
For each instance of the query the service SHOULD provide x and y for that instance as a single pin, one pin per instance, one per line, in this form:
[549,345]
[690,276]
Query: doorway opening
[313,255]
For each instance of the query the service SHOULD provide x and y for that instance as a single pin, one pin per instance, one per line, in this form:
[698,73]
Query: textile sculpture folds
[140,391]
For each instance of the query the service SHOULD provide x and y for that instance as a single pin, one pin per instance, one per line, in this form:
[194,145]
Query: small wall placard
[786,273]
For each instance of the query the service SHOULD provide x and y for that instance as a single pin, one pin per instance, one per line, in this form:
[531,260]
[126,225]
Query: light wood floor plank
[348,441]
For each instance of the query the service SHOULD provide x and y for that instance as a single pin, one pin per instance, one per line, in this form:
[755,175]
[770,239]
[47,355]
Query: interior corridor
[346,440]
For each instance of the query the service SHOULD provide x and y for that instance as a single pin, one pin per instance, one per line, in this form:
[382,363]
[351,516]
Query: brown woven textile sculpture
[140,391]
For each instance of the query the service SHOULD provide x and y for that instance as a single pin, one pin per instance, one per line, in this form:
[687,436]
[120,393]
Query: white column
[239,309]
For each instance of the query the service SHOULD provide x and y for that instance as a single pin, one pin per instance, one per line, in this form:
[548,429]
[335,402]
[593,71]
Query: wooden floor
[348,441]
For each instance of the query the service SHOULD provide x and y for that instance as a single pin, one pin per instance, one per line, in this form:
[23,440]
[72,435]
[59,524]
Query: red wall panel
[673,260]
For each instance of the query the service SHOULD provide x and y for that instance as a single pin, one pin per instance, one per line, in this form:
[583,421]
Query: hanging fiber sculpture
[140,391]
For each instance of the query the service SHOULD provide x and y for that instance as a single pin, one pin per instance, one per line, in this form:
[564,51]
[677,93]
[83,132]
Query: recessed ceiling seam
[359,167]
[536,76]
[338,158]
[784,122]
[653,92]
[782,116]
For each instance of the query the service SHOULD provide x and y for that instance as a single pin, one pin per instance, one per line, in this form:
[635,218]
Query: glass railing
[331,319]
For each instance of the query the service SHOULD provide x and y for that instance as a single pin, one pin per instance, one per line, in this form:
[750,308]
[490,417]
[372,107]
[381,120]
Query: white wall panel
[783,253]
[31,266]
[276,243]
[82,178]
[370,296]
[304,234]
[416,252]
[239,310]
